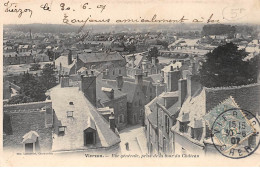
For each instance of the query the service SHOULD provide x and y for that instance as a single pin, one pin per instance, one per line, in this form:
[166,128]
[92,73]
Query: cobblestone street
[135,137]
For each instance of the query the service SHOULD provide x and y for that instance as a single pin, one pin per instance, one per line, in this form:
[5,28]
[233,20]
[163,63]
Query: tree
[225,66]
[35,67]
[20,98]
[153,52]
[130,48]
[48,78]
[32,88]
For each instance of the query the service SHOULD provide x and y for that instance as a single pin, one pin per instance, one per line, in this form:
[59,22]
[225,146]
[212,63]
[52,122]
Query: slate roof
[84,115]
[102,95]
[100,57]
[246,97]
[128,87]
[30,137]
[151,109]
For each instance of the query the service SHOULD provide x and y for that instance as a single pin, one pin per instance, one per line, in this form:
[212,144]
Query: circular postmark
[235,133]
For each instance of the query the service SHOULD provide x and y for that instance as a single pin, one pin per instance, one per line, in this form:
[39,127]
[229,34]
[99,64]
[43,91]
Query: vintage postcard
[130,83]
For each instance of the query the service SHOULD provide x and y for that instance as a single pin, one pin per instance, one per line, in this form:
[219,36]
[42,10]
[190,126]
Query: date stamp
[235,133]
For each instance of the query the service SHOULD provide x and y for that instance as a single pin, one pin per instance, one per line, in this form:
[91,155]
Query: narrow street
[135,137]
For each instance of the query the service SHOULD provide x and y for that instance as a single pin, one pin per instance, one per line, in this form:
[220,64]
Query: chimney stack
[139,79]
[70,57]
[153,60]
[64,81]
[112,123]
[119,81]
[88,87]
[173,77]
[193,85]
[182,90]
[133,61]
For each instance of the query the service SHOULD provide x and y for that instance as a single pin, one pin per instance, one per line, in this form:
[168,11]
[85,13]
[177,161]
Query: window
[71,103]
[61,130]
[164,144]
[167,124]
[151,98]
[113,72]
[183,127]
[196,133]
[208,132]
[119,71]
[69,113]
[151,90]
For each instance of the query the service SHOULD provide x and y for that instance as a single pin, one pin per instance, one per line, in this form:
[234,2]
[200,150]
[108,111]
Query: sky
[225,11]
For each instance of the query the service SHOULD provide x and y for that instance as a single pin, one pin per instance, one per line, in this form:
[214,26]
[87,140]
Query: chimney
[193,85]
[88,87]
[112,123]
[139,79]
[192,68]
[153,60]
[70,57]
[109,92]
[119,81]
[173,77]
[64,81]
[182,90]
[133,61]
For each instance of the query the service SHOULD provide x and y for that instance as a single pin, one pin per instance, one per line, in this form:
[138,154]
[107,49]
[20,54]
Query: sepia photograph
[130,83]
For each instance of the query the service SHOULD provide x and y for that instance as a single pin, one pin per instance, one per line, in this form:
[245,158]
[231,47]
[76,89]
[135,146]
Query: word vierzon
[141,20]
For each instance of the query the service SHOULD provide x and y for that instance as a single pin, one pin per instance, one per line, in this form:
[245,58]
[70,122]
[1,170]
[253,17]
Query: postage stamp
[235,133]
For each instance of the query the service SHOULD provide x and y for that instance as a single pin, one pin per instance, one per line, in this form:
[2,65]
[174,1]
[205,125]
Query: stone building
[14,58]
[111,97]
[191,133]
[67,122]
[161,113]
[111,63]
[139,93]
[138,64]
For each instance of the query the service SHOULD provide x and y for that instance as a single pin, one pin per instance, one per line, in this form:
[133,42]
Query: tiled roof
[84,115]
[100,57]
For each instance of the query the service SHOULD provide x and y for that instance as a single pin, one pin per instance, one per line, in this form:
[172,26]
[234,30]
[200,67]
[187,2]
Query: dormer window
[71,103]
[61,131]
[184,127]
[69,113]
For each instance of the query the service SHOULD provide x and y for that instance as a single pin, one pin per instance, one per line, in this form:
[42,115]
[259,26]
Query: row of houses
[176,121]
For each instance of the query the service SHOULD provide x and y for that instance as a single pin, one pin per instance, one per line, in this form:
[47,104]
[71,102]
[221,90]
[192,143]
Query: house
[137,95]
[80,127]
[14,58]
[111,97]
[192,133]
[67,122]
[65,64]
[27,127]
[111,63]
[161,114]
[138,64]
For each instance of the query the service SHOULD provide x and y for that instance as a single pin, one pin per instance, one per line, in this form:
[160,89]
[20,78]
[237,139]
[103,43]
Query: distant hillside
[62,28]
